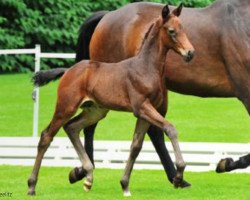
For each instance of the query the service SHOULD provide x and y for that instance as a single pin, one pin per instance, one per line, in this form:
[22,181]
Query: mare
[228,164]
[133,85]
[220,34]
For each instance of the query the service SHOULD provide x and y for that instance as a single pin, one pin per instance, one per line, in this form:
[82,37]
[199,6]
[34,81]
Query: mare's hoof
[184,184]
[176,182]
[180,183]
[87,186]
[76,175]
[32,193]
[221,166]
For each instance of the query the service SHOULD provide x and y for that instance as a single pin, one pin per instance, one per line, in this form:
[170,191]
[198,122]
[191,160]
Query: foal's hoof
[222,165]
[32,193]
[126,194]
[76,175]
[87,186]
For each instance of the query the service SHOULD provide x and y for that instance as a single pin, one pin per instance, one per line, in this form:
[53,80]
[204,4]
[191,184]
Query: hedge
[52,23]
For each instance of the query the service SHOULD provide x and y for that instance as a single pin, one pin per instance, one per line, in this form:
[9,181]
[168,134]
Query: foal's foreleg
[150,114]
[140,130]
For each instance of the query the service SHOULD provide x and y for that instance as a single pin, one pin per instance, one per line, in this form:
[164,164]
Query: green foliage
[187,3]
[52,23]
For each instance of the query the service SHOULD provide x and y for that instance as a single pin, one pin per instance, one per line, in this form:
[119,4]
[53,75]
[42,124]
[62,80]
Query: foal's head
[172,33]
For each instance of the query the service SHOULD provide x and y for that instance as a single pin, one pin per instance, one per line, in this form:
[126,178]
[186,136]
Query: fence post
[35,94]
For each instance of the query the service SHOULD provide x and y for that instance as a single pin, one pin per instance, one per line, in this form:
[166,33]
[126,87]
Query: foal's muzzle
[188,55]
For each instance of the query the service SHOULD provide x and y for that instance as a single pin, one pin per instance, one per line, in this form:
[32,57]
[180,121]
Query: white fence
[108,154]
[113,154]
[38,55]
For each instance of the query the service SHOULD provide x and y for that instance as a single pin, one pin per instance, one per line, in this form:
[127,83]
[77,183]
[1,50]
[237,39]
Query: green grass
[197,119]
[145,184]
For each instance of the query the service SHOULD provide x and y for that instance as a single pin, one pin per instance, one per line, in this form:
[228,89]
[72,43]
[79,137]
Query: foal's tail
[43,77]
[86,31]
[85,34]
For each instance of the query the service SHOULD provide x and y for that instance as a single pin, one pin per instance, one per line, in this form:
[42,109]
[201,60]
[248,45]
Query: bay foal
[134,85]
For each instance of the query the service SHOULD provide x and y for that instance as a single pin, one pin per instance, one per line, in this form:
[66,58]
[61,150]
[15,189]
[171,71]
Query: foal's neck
[153,53]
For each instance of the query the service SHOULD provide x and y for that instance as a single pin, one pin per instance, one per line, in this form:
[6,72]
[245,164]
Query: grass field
[197,119]
[145,185]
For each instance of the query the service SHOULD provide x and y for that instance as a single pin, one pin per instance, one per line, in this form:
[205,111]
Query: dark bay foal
[133,85]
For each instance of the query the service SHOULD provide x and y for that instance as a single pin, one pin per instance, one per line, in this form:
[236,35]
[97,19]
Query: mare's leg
[73,128]
[228,164]
[150,114]
[61,116]
[140,130]
[88,141]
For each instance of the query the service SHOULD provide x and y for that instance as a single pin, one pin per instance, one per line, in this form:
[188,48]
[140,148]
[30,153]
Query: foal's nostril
[190,55]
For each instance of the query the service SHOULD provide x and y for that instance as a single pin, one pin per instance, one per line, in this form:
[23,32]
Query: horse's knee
[45,140]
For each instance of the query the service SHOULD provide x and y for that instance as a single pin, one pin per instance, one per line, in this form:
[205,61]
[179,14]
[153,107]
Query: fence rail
[38,56]
[108,154]
[113,154]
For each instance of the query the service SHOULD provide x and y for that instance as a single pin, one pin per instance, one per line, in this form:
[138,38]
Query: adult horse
[221,68]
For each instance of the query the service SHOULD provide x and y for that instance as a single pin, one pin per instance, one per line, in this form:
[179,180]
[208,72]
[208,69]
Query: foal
[134,85]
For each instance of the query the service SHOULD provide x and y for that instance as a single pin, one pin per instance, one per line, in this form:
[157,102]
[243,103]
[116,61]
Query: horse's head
[173,35]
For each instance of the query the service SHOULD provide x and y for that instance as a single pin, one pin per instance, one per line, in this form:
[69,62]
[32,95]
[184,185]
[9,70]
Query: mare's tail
[45,76]
[85,33]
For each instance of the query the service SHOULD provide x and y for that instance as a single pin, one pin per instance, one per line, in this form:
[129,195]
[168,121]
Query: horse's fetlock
[45,140]
[243,162]
[124,183]
[180,165]
[88,168]
[32,182]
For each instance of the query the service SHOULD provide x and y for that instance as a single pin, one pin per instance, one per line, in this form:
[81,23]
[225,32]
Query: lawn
[197,119]
[145,184]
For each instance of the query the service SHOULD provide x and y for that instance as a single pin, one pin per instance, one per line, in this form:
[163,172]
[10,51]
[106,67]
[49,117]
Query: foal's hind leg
[78,173]
[59,118]
[140,130]
[73,128]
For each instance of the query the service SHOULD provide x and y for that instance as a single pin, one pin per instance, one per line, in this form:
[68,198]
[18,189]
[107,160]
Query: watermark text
[5,194]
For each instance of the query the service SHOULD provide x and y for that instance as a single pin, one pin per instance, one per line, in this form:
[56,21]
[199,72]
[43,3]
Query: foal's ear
[177,11]
[165,12]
